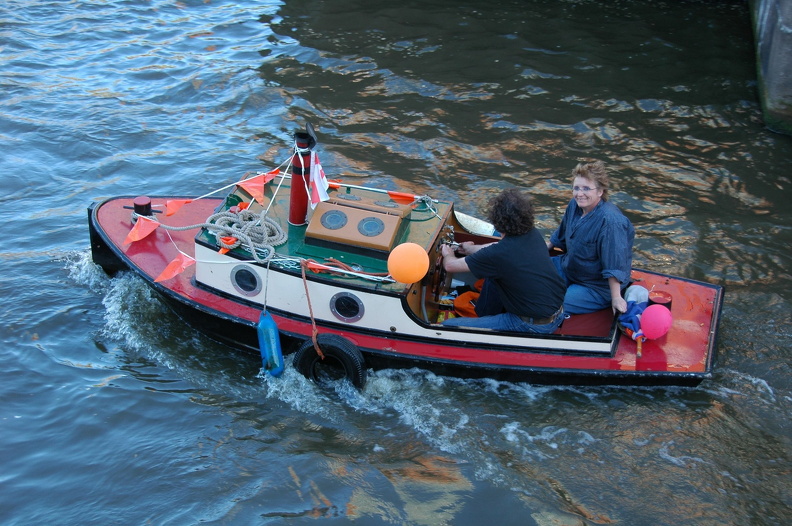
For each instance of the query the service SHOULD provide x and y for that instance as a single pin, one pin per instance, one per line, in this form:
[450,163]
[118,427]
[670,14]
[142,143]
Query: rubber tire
[342,360]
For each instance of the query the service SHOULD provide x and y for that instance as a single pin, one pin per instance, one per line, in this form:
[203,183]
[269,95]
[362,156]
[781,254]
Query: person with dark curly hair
[597,241]
[522,290]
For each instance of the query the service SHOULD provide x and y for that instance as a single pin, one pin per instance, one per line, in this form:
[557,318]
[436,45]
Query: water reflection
[670,123]
[458,101]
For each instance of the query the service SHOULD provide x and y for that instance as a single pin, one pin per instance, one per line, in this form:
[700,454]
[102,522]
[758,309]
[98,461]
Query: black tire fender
[342,359]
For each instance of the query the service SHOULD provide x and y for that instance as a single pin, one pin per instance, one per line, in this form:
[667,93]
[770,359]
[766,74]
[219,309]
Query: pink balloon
[655,321]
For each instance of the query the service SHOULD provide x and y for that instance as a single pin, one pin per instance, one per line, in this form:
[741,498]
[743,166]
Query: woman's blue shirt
[597,245]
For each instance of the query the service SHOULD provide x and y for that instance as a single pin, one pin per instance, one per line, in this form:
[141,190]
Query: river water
[114,412]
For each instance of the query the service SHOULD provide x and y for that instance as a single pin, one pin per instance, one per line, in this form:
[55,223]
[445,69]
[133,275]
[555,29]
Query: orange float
[408,263]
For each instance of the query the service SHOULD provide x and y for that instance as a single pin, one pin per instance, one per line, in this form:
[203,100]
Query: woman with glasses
[596,240]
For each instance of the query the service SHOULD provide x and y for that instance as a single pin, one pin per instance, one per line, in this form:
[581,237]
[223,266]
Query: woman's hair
[511,212]
[594,172]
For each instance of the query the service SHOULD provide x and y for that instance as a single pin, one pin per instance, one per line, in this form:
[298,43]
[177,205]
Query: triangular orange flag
[401,197]
[315,267]
[175,267]
[173,205]
[255,185]
[143,227]
[228,240]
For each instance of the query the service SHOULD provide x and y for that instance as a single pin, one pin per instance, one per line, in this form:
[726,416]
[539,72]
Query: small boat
[350,278]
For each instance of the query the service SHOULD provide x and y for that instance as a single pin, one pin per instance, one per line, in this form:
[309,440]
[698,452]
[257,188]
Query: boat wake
[480,423]
[143,329]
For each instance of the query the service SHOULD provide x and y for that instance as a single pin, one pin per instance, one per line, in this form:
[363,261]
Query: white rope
[258,232]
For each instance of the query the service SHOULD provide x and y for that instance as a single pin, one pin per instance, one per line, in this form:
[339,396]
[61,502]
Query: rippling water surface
[114,412]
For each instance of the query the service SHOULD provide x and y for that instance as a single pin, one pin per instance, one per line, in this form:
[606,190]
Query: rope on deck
[257,232]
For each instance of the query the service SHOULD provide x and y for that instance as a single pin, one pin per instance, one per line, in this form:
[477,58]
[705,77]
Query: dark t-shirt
[520,267]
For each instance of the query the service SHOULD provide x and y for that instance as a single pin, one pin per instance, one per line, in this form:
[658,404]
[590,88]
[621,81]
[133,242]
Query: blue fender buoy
[269,344]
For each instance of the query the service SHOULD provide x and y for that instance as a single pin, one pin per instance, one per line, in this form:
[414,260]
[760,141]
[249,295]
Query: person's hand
[464,247]
[447,251]
[619,305]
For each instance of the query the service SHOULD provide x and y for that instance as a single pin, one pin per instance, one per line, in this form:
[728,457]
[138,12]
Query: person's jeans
[491,315]
[580,299]
[504,322]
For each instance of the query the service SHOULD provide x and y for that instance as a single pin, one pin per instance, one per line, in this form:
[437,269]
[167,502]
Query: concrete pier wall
[773,32]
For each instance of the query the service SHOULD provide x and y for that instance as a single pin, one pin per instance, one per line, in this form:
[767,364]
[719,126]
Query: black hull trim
[577,377]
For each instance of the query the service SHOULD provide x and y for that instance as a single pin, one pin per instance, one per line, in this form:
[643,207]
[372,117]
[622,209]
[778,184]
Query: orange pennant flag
[173,205]
[228,240]
[315,267]
[175,267]
[255,185]
[143,227]
[401,197]
[335,184]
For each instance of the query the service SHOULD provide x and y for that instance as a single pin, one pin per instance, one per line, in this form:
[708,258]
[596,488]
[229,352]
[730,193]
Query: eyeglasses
[584,189]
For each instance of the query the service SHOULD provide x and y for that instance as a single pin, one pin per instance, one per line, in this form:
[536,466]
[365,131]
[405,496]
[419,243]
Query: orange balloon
[408,263]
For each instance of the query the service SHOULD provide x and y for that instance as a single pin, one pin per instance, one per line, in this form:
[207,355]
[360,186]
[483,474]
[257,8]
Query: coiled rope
[259,233]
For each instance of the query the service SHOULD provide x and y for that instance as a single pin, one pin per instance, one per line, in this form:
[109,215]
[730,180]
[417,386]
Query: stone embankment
[772,21]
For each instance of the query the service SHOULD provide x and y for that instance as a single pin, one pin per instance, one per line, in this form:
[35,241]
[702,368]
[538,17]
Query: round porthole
[386,204]
[245,281]
[371,226]
[347,307]
[333,219]
[348,197]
